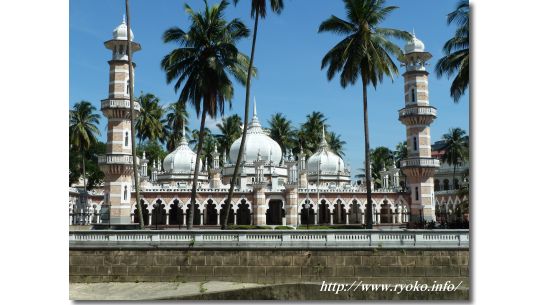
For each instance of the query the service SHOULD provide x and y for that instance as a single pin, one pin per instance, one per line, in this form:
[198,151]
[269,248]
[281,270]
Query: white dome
[257,141]
[325,160]
[120,33]
[182,160]
[414,45]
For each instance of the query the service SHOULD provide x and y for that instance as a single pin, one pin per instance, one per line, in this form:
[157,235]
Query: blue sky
[288,56]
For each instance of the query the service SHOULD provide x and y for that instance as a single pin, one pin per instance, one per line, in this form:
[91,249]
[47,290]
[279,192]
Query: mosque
[274,187]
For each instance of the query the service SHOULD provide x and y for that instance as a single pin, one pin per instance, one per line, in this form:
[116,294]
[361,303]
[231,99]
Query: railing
[115,159]
[418,110]
[426,162]
[110,103]
[264,239]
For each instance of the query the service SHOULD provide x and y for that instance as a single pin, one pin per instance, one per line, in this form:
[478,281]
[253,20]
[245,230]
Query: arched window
[128,87]
[456,184]
[413,97]
[126,138]
[416,193]
[415,143]
[437,185]
[446,184]
[125,192]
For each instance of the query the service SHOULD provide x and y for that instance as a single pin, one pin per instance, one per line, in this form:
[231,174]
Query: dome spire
[324,143]
[183,141]
[123,21]
[254,115]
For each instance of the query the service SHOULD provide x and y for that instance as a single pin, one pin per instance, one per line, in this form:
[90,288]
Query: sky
[288,57]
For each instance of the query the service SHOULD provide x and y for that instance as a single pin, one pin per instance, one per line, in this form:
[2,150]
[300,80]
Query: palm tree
[202,64]
[281,130]
[456,149]
[149,123]
[335,143]
[176,117]
[456,49]
[230,130]
[401,152]
[365,51]
[83,130]
[381,158]
[258,9]
[309,134]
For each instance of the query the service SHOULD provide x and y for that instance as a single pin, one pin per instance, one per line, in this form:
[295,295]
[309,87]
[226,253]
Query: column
[235,216]
[218,217]
[331,214]
[167,218]
[362,217]
[347,218]
[399,216]
[185,217]
[150,217]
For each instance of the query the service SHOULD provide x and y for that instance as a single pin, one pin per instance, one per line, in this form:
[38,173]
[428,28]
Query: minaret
[417,115]
[117,163]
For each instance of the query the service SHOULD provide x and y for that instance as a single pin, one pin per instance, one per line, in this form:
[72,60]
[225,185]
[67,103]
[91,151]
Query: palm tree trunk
[367,157]
[132,115]
[201,135]
[245,124]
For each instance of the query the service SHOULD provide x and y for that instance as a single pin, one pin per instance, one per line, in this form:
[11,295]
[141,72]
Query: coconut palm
[456,50]
[150,122]
[176,117]
[401,152]
[382,158]
[282,131]
[230,130]
[456,149]
[258,9]
[309,134]
[364,52]
[83,130]
[202,65]
[335,143]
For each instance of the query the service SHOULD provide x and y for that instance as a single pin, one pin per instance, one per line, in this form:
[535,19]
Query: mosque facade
[273,187]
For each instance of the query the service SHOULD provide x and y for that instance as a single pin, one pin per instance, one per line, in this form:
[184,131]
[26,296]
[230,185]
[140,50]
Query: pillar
[292,207]
[259,205]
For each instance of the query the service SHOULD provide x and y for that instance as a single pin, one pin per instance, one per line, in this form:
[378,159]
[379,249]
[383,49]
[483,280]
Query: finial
[144,155]
[414,32]
[123,19]
[255,112]
[215,150]
[183,133]
[323,131]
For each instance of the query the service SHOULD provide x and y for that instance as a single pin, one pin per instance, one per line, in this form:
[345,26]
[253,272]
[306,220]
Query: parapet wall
[269,266]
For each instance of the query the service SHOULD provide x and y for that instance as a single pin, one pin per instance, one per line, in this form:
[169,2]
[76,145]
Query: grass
[341,227]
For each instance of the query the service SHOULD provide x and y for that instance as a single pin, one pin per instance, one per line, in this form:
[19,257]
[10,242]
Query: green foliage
[321,227]
[230,130]
[456,50]
[154,151]
[83,124]
[335,143]
[381,157]
[177,119]
[150,122]
[248,227]
[401,152]
[283,228]
[282,131]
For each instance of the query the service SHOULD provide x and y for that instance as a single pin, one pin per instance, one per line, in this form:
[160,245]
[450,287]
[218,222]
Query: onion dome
[414,45]
[325,160]
[182,159]
[257,141]
[120,33]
